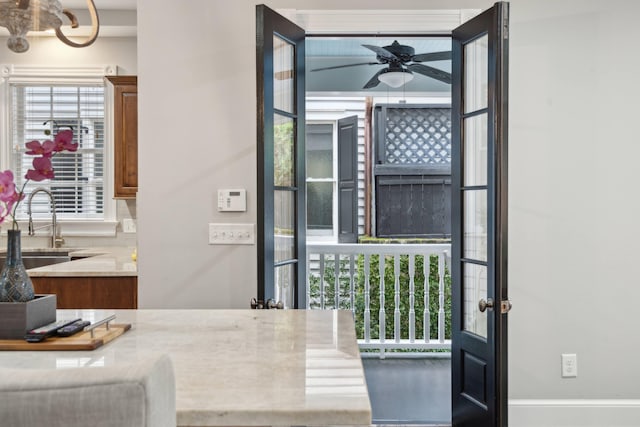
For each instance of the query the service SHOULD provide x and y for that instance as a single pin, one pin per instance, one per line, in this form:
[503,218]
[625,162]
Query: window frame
[317,234]
[30,74]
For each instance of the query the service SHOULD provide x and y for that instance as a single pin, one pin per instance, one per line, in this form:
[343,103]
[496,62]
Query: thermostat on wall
[232,200]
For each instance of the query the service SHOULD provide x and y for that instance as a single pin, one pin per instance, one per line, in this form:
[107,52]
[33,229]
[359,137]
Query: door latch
[505,306]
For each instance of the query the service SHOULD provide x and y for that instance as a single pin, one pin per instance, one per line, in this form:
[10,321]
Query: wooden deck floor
[409,391]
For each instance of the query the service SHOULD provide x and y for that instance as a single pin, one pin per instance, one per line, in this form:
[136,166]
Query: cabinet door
[125,118]
[112,292]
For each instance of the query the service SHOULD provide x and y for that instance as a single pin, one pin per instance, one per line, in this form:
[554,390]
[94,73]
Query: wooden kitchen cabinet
[125,121]
[90,292]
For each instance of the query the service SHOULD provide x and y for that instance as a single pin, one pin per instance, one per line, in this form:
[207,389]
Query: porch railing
[400,294]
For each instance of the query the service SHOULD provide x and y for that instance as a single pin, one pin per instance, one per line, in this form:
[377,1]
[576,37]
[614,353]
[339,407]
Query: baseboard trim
[574,412]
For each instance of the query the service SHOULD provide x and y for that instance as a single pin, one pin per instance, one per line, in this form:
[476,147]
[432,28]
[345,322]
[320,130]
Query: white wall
[196,135]
[573,210]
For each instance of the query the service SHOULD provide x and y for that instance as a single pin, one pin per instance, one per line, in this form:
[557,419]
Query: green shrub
[389,294]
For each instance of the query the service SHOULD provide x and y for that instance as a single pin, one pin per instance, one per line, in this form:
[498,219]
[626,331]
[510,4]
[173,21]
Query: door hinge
[505,29]
[505,22]
[505,306]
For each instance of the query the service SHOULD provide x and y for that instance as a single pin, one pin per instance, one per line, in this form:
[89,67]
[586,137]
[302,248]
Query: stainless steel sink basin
[40,257]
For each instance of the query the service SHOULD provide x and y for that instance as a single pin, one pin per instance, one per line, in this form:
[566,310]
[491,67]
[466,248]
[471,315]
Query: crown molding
[27,72]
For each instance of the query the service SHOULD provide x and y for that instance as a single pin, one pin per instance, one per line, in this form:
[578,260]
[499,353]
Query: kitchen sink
[40,257]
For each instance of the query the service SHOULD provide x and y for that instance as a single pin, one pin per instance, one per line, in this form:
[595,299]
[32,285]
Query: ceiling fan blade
[434,73]
[345,66]
[381,51]
[373,82]
[432,56]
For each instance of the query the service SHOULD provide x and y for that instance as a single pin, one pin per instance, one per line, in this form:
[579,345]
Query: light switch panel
[231,234]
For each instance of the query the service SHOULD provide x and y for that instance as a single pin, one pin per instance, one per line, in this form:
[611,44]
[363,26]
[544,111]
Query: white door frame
[345,22]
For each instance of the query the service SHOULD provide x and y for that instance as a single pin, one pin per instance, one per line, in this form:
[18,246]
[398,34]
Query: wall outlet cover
[569,365]
[128,225]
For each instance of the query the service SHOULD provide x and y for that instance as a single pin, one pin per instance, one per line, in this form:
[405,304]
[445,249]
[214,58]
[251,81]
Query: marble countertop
[103,261]
[237,367]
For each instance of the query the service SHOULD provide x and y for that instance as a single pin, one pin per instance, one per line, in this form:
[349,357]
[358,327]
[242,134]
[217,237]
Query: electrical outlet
[569,365]
[128,225]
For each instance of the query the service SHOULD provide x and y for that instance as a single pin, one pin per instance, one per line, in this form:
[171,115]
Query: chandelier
[22,16]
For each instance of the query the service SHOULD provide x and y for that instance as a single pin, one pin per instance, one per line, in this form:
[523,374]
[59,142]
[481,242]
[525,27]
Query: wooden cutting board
[79,341]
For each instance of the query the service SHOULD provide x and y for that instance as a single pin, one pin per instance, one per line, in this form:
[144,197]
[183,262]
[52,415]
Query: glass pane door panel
[474,288]
[475,150]
[320,205]
[283,72]
[475,225]
[284,281]
[283,151]
[476,74]
[283,223]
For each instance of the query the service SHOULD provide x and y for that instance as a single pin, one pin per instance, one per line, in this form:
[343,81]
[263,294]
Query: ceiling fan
[402,63]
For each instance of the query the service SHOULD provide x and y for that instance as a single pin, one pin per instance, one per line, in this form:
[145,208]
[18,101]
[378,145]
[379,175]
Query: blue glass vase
[15,283]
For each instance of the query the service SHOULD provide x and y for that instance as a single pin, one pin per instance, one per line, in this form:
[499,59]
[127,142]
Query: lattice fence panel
[418,136]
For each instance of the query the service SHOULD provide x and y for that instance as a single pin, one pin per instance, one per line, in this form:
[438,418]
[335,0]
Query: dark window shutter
[348,180]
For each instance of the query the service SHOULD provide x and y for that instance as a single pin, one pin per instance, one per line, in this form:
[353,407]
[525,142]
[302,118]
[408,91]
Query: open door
[479,220]
[281,161]
[348,180]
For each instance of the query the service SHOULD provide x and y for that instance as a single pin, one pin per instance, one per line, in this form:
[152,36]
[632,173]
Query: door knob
[483,305]
[271,303]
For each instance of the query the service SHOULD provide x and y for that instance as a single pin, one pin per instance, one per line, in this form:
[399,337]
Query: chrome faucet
[55,240]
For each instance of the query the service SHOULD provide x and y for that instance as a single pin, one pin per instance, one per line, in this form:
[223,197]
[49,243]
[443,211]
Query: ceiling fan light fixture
[395,78]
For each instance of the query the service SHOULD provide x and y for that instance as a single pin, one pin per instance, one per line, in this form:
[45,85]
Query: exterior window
[320,179]
[78,186]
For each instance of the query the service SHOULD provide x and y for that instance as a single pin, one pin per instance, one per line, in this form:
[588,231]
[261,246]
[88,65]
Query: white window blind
[78,186]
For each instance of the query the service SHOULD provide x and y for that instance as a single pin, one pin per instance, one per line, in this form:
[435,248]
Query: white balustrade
[341,276]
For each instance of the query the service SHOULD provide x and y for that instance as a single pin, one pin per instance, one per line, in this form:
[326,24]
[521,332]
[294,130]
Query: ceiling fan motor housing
[402,52]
